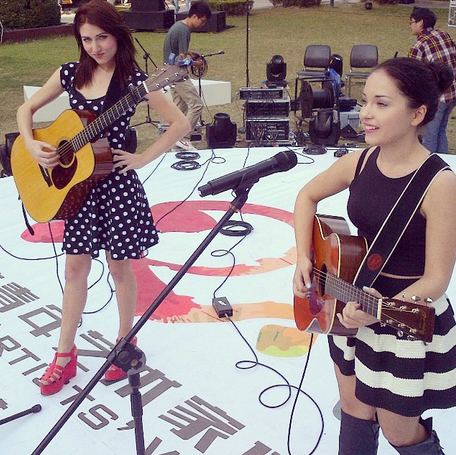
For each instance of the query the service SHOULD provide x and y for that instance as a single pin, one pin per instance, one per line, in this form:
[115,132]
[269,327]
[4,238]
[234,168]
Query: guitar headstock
[167,75]
[413,320]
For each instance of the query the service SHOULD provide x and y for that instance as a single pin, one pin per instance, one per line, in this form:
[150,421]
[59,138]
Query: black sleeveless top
[372,196]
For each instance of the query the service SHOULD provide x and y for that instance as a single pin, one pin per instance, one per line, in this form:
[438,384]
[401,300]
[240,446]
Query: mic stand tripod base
[33,409]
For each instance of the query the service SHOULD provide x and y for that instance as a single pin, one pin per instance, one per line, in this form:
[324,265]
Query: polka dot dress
[115,215]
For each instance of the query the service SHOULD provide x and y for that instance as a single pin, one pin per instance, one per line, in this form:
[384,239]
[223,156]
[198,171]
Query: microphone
[282,161]
[214,53]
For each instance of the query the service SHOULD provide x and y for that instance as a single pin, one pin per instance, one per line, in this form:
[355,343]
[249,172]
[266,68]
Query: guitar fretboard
[108,117]
[347,292]
[161,78]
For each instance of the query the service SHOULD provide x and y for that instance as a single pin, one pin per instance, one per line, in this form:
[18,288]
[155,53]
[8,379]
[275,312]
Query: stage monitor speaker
[149,20]
[217,22]
[5,154]
[222,133]
[148,5]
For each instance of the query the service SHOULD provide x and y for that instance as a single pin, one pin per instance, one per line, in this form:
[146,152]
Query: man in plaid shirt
[432,45]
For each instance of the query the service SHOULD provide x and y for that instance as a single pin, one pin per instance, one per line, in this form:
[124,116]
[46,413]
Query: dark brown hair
[104,15]
[422,83]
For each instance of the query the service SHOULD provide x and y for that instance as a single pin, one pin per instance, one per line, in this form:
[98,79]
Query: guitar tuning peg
[415,298]
[428,300]
[403,297]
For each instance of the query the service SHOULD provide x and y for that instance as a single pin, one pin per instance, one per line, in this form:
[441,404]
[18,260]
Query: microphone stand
[247,43]
[202,71]
[129,357]
[146,58]
[33,409]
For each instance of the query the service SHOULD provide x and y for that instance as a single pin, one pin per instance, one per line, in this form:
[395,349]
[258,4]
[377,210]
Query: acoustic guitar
[336,258]
[85,158]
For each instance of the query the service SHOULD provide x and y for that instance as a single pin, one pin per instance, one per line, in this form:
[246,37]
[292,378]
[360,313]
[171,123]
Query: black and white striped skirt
[402,376]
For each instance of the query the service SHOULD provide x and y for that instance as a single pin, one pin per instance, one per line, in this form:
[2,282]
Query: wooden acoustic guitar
[85,159]
[336,258]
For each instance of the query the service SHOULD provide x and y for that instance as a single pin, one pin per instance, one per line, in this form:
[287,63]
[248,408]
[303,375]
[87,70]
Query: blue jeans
[434,137]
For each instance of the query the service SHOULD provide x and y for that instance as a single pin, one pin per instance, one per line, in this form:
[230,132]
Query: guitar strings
[342,288]
[96,127]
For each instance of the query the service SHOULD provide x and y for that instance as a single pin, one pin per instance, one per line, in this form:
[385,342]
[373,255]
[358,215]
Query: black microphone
[282,161]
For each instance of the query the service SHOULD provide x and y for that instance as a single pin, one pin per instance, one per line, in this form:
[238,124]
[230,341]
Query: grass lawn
[285,31]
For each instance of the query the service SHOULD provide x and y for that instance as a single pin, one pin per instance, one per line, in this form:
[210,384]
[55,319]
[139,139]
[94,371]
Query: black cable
[233,228]
[254,363]
[154,169]
[185,165]
[212,160]
[111,289]
[187,155]
[55,258]
[46,258]
[222,252]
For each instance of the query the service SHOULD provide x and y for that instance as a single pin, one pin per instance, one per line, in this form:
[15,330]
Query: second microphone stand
[146,58]
[200,72]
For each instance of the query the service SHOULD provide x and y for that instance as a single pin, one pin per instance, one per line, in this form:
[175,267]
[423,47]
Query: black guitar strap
[113,94]
[397,221]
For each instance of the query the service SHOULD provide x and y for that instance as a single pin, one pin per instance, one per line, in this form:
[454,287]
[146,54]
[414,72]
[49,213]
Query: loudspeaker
[148,5]
[216,23]
[324,127]
[149,20]
[222,133]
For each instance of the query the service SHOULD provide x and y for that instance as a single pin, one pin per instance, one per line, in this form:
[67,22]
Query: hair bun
[443,73]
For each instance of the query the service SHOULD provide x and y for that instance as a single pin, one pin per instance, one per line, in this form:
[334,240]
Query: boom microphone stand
[200,72]
[129,357]
[146,58]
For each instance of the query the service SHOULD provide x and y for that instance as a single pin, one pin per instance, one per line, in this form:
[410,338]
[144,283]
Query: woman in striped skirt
[385,379]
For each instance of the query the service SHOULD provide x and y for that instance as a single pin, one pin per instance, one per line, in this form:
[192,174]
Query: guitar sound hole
[63,174]
[315,301]
[321,281]
[66,153]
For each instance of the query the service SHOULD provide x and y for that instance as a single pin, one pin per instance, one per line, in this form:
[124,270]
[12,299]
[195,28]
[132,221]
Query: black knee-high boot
[357,436]
[431,446]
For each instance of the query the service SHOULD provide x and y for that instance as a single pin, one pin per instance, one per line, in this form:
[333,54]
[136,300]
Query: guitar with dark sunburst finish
[336,259]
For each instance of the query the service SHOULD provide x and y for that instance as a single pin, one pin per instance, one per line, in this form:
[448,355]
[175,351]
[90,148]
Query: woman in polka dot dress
[115,216]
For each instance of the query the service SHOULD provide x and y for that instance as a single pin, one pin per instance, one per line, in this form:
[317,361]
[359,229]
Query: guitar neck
[347,292]
[108,117]
[161,78]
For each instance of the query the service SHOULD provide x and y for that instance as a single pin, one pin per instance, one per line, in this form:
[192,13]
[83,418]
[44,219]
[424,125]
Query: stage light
[276,72]
[222,133]
[324,127]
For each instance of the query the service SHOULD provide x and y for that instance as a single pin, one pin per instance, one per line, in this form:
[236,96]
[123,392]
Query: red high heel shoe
[115,373]
[57,376]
